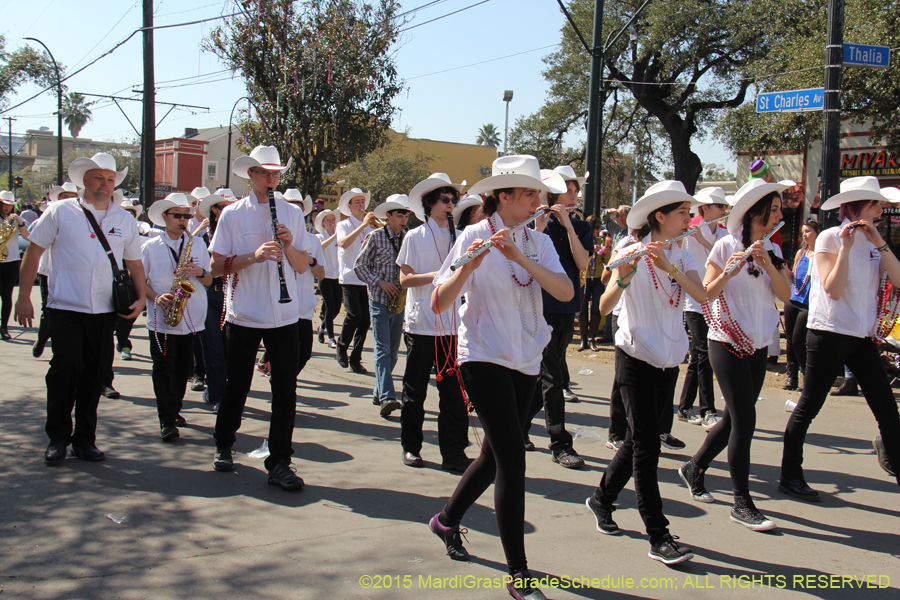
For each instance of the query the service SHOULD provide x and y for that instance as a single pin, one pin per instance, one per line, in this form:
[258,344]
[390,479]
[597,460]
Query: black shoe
[197,384]
[376,401]
[38,348]
[341,356]
[451,537]
[283,475]
[223,460]
[772,360]
[358,368]
[411,459]
[55,453]
[388,405]
[180,421]
[108,392]
[529,445]
[798,489]
[168,432]
[692,476]
[523,586]
[746,513]
[321,336]
[671,442]
[603,514]
[457,466]
[848,388]
[568,458]
[883,461]
[89,453]
[791,381]
[5,334]
[669,552]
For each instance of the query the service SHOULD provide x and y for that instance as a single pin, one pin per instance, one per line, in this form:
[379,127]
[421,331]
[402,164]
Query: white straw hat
[130,204]
[709,195]
[56,190]
[393,202]
[101,160]
[226,192]
[856,188]
[514,171]
[657,195]
[7,197]
[434,181]
[749,194]
[568,173]
[264,157]
[346,197]
[212,200]
[891,193]
[464,203]
[320,219]
[155,212]
[293,195]
[200,193]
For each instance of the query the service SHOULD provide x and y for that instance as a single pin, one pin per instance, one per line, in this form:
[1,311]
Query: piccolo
[639,253]
[735,266]
[484,247]
[859,224]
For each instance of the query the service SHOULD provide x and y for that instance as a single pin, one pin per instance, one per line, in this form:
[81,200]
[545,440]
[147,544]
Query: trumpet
[482,248]
[639,253]
[737,265]
[378,223]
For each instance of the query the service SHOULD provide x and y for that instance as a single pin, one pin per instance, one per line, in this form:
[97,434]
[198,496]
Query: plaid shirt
[377,261]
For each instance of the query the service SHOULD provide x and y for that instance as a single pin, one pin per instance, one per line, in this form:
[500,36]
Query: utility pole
[59,115]
[592,156]
[9,152]
[148,131]
[831,138]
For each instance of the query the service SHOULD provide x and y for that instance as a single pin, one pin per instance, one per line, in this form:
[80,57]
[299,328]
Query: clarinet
[285,297]
[452,230]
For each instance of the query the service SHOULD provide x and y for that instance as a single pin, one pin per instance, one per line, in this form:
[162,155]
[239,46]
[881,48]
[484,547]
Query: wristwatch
[202,275]
[314,262]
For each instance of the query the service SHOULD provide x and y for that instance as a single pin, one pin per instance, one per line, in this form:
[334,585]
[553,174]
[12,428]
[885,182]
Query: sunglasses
[181,216]
[449,199]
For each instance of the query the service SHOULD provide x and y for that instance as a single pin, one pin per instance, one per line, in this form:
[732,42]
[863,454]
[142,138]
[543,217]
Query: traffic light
[17,181]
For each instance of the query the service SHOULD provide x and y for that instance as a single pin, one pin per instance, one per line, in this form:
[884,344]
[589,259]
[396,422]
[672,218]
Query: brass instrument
[397,303]
[181,287]
[8,228]
[379,223]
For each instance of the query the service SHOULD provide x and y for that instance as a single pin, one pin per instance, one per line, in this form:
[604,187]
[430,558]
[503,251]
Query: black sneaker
[457,466]
[451,537]
[883,461]
[223,460]
[568,458]
[692,476]
[746,513]
[798,488]
[671,442]
[180,421]
[283,475]
[669,552]
[197,383]
[603,514]
[341,356]
[523,586]
[688,416]
[388,405]
[168,432]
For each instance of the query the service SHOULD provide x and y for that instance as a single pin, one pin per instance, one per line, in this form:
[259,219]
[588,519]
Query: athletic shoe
[671,442]
[388,405]
[523,586]
[569,395]
[451,537]
[883,461]
[688,416]
[284,476]
[223,460]
[603,514]
[692,476]
[669,552]
[126,352]
[746,513]
[412,460]
[264,368]
[614,444]
[709,420]
[180,421]
[332,343]
[198,384]
[168,432]
[321,335]
[568,458]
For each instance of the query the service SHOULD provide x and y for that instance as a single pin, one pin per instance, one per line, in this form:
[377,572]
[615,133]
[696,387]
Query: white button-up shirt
[306,281]
[331,256]
[243,227]
[424,249]
[159,267]
[80,276]
[347,256]
[12,244]
[700,254]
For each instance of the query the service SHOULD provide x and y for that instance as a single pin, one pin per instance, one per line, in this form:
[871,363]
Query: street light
[59,116]
[228,155]
[507,97]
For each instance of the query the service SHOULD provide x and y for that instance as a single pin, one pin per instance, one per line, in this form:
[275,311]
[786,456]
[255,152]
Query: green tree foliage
[321,77]
[75,112]
[488,133]
[714,172]
[391,169]
[23,65]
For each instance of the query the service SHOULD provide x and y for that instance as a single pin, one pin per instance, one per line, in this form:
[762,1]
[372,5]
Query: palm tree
[488,136]
[75,112]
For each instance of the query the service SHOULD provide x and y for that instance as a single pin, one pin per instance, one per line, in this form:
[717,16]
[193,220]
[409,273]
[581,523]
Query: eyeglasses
[182,216]
[449,199]
[266,174]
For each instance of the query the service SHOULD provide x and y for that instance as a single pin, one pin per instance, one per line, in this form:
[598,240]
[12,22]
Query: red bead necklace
[524,246]
[728,325]
[228,278]
[675,296]
[887,311]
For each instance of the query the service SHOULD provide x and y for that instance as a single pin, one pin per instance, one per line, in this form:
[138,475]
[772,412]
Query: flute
[481,249]
[859,224]
[737,265]
[285,297]
[639,253]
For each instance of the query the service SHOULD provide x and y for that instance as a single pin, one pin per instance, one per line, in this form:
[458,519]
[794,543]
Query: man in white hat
[377,266]
[80,302]
[244,251]
[350,234]
[196,226]
[9,264]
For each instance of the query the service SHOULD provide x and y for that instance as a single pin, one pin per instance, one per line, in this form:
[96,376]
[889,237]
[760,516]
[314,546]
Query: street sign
[863,55]
[791,101]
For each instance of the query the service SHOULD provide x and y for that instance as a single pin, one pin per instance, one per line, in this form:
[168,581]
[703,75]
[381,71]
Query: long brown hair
[762,208]
[493,201]
[652,223]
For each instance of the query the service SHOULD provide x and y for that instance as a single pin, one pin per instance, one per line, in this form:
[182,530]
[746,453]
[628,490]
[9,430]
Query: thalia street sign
[863,55]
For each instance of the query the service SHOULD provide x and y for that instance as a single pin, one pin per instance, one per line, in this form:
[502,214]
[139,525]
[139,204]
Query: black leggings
[795,315]
[331,303]
[9,277]
[501,397]
[356,321]
[590,301]
[741,380]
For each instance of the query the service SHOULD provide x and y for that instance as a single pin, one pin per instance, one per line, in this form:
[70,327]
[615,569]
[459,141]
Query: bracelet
[619,283]
[673,272]
[156,300]
[883,248]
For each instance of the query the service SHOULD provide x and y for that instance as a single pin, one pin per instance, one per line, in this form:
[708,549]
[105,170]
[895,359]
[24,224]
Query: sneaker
[223,460]
[671,442]
[284,475]
[332,343]
[614,444]
[412,460]
[264,368]
[746,513]
[341,356]
[568,458]
[388,405]
[198,384]
[603,514]
[126,352]
[451,537]
[523,586]
[669,552]
[709,420]
[569,395]
[883,461]
[692,476]
[688,416]
[321,335]
[180,421]
[168,432]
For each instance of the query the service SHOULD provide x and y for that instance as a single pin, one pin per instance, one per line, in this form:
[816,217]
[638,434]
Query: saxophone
[397,303]
[181,287]
[8,228]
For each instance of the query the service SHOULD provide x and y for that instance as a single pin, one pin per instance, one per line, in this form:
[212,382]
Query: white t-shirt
[243,227]
[194,223]
[617,249]
[502,322]
[80,276]
[651,325]
[700,254]
[159,267]
[331,256]
[347,256]
[424,249]
[750,300]
[855,313]
[306,281]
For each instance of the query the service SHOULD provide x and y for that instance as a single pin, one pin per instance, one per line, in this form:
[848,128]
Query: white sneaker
[569,395]
[688,416]
[332,343]
[709,420]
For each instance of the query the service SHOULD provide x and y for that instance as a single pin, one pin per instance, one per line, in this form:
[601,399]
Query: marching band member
[742,317]
[172,260]
[196,226]
[9,264]
[796,312]
[468,211]
[501,338]
[650,344]
[329,286]
[846,311]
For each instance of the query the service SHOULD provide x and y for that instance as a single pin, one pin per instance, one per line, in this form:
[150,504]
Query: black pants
[741,380]
[242,343]
[123,331]
[548,393]
[305,333]
[501,397]
[827,352]
[795,315]
[424,352]
[171,372]
[590,302]
[199,369]
[73,379]
[356,321]
[699,372]
[9,277]
[331,303]
[645,391]
[44,328]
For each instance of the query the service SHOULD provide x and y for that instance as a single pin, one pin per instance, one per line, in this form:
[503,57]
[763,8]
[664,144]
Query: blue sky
[449,106]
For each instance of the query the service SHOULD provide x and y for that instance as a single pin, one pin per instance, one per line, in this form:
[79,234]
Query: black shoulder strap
[102,238]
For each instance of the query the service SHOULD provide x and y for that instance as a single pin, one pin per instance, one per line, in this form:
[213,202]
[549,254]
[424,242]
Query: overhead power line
[482,62]
[443,16]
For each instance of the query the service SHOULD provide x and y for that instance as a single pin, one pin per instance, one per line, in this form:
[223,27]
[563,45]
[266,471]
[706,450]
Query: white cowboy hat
[891,193]
[200,193]
[7,197]
[226,193]
[568,173]
[320,219]
[118,197]
[514,171]
[749,194]
[212,200]
[144,227]
[464,203]
[264,157]
[56,190]
[554,181]
[174,199]
[729,200]
[434,181]
[709,195]
[657,195]
[101,160]
[130,204]
[346,197]
[293,195]
[393,202]
[856,188]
